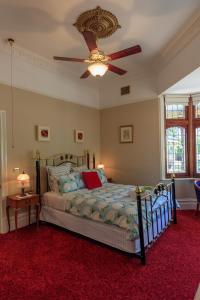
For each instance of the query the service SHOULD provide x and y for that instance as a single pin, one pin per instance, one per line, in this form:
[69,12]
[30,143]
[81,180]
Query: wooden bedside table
[25,202]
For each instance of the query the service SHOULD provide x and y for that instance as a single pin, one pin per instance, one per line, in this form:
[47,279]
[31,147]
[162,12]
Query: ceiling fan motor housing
[97,55]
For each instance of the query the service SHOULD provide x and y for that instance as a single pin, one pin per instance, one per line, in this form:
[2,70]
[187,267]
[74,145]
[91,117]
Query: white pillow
[79,169]
[54,184]
[59,170]
[54,172]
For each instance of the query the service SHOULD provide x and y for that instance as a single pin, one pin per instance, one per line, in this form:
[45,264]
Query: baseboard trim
[22,221]
[187,203]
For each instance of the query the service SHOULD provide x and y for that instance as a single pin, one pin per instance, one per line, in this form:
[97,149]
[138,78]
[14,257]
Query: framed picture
[79,136]
[126,134]
[43,133]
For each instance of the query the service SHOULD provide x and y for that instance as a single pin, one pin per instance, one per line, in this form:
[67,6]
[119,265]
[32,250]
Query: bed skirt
[105,233]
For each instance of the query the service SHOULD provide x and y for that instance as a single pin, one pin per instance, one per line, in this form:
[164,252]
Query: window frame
[190,123]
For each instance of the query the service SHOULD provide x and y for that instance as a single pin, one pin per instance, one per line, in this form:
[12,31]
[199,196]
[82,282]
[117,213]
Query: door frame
[3,168]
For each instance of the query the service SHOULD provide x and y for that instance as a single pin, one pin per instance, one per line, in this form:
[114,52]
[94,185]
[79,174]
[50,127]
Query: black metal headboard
[57,160]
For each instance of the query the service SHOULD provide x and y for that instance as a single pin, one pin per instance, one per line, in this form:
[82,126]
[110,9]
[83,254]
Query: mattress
[53,211]
[54,200]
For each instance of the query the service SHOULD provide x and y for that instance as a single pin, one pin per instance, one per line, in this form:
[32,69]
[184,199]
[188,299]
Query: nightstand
[17,203]
[110,180]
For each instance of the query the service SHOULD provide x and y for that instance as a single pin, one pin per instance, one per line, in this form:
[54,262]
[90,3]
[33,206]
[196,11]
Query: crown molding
[34,59]
[47,77]
[178,42]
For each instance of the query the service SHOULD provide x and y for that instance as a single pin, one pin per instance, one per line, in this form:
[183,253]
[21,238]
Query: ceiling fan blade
[85,75]
[116,70]
[125,52]
[69,59]
[90,39]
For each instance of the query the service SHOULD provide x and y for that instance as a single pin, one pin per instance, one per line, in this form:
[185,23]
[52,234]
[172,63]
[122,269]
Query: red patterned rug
[51,264]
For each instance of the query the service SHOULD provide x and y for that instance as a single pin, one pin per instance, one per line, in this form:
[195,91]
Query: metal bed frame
[151,216]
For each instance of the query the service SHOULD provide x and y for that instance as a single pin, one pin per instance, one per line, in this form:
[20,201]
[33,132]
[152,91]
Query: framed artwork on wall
[126,134]
[43,133]
[79,136]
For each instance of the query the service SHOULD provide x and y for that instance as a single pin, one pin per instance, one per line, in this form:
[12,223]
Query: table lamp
[24,182]
[100,166]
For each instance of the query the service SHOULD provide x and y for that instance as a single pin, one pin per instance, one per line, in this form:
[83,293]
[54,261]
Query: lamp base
[23,194]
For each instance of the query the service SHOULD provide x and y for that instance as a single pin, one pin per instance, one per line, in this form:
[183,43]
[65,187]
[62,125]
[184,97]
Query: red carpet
[52,264]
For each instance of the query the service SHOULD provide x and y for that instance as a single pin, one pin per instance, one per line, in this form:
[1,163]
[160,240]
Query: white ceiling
[188,85]
[45,27]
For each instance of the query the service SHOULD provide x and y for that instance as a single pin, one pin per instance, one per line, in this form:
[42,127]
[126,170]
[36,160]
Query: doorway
[3,169]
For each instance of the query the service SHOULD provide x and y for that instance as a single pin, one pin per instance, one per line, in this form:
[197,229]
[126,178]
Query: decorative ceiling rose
[101,22]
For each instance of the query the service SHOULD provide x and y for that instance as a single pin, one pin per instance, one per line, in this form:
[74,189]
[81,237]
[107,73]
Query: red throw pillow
[91,180]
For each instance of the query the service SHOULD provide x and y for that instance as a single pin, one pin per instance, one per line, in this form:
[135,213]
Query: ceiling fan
[93,24]
[98,61]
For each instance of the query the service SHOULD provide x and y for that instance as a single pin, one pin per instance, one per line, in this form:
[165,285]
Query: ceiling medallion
[101,22]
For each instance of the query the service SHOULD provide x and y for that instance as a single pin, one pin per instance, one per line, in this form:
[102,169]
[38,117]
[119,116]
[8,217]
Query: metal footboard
[153,217]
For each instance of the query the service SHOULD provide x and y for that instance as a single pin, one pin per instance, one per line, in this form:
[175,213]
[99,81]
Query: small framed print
[79,136]
[126,134]
[43,133]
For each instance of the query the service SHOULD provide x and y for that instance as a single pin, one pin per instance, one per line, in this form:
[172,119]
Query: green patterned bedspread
[111,204]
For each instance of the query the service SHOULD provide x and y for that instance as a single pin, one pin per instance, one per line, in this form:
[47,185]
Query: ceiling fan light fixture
[98,69]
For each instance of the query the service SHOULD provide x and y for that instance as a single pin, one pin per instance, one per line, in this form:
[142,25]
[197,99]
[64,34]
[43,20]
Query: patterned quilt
[111,204]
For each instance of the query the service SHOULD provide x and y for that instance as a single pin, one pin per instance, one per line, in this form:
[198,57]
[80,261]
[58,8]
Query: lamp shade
[98,68]
[23,180]
[100,166]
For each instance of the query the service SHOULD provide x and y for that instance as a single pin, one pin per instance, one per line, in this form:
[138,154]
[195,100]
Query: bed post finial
[174,198]
[138,192]
[37,155]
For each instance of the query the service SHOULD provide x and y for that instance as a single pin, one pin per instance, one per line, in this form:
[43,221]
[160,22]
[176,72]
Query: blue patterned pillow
[79,180]
[68,183]
[102,176]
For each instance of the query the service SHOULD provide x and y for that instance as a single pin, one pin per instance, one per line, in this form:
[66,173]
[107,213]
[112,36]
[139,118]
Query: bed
[125,217]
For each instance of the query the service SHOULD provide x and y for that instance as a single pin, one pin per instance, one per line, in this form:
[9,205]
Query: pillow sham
[79,180]
[58,171]
[102,176]
[80,168]
[54,172]
[91,180]
[67,183]
[53,184]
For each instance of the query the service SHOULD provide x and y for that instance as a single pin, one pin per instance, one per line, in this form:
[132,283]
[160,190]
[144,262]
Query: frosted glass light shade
[100,166]
[23,180]
[98,68]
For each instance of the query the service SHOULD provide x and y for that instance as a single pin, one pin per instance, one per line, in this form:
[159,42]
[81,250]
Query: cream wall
[62,117]
[139,162]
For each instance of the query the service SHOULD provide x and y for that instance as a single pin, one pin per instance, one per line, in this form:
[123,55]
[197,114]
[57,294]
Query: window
[197,110]
[175,111]
[197,138]
[182,137]
[175,137]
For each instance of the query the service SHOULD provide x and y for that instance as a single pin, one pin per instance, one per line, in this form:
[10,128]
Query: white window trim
[162,137]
